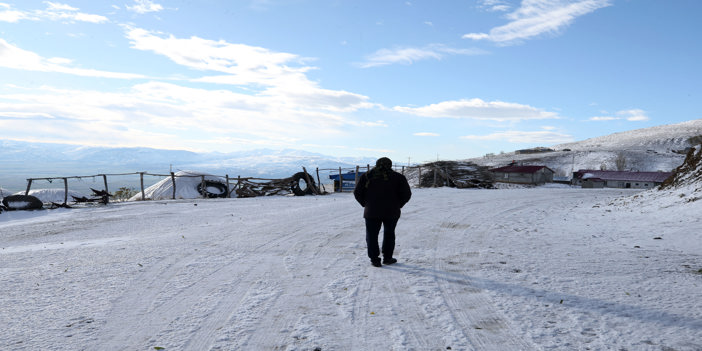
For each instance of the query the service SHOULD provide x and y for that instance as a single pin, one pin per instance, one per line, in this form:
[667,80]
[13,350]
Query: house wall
[630,184]
[540,177]
[588,184]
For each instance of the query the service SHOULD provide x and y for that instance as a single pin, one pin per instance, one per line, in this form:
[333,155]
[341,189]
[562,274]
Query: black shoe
[376,263]
[389,260]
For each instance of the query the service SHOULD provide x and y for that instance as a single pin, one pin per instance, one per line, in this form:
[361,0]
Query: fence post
[65,191]
[174,184]
[141,177]
[419,170]
[203,187]
[434,177]
[309,181]
[227,176]
[341,181]
[107,191]
[319,183]
[355,177]
[29,185]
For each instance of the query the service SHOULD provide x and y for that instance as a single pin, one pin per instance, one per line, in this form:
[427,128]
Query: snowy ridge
[659,138]
[660,148]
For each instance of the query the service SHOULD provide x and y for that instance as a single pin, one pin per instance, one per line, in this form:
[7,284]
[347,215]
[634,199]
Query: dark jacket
[382,198]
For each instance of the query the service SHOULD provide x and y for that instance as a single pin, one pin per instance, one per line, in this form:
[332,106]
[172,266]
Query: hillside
[660,148]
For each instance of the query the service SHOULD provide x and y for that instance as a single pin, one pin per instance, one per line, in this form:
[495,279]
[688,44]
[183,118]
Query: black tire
[221,189]
[22,202]
[300,187]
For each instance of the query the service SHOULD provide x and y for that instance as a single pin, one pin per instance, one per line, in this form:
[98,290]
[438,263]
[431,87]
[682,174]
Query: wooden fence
[230,183]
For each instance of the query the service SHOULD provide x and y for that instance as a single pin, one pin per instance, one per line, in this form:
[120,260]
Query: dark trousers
[373,229]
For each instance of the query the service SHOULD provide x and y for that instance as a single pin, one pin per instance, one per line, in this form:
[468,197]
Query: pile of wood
[457,174]
[299,184]
[100,196]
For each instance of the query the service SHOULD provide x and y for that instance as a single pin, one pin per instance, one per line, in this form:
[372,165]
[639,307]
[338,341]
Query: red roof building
[622,179]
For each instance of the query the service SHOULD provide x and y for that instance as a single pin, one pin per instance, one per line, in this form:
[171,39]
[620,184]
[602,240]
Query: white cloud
[632,115]
[144,6]
[409,55]
[494,5]
[7,14]
[603,118]
[168,114]
[54,6]
[58,12]
[271,74]
[13,57]
[426,134]
[541,137]
[538,17]
[480,110]
[54,12]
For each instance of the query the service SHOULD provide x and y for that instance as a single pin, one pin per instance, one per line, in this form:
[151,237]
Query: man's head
[384,162]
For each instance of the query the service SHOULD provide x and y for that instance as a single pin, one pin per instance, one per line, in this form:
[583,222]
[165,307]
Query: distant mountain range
[22,160]
[659,148]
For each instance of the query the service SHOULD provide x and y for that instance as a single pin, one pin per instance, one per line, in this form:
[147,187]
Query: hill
[660,148]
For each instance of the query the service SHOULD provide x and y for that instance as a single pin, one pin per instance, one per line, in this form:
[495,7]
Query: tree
[620,161]
[124,193]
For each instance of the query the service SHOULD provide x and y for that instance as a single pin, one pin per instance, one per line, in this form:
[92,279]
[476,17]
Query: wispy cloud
[13,57]
[426,134]
[541,137]
[410,55]
[537,17]
[632,115]
[494,5]
[480,110]
[144,6]
[54,11]
[272,74]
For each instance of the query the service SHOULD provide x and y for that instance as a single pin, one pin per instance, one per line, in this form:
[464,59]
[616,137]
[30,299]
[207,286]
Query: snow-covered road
[519,269]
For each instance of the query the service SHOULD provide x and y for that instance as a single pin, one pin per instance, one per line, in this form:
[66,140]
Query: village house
[618,179]
[513,173]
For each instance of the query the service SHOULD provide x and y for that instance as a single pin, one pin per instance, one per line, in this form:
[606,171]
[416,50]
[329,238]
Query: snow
[186,183]
[536,268]
[659,148]
[53,195]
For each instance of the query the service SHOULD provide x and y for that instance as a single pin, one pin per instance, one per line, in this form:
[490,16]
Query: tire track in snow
[274,326]
[463,313]
[155,312]
[291,324]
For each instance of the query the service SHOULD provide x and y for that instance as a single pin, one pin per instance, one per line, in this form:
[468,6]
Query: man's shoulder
[398,175]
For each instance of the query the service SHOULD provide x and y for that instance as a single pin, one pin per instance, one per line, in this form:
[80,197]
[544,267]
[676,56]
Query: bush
[124,193]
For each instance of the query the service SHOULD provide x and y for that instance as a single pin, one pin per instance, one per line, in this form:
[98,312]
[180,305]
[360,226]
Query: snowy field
[511,269]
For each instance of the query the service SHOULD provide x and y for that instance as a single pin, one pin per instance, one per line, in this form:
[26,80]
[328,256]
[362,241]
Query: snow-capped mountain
[660,148]
[22,160]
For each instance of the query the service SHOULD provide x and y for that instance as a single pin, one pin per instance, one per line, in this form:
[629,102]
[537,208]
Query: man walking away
[382,192]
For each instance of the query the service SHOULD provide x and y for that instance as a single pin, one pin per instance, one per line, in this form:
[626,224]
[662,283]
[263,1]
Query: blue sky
[416,80]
